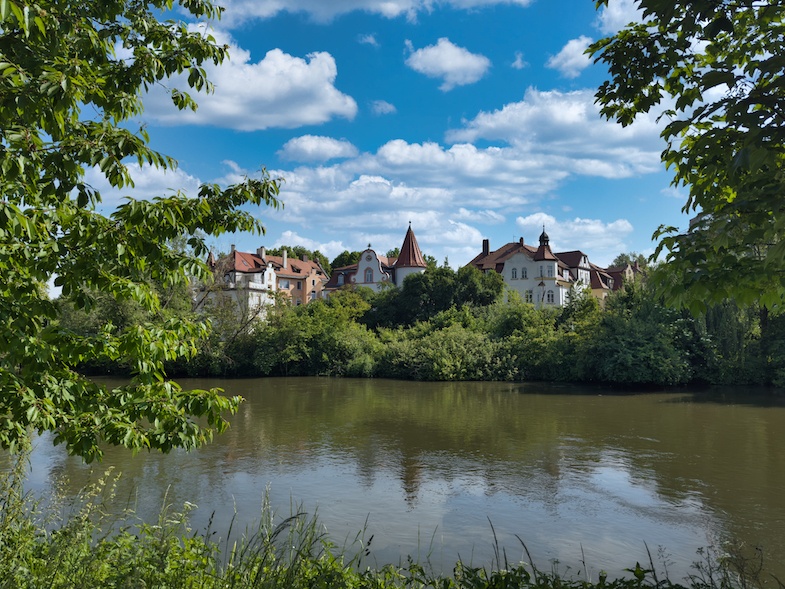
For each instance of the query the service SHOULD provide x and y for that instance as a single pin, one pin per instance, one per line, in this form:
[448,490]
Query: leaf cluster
[713,70]
[72,76]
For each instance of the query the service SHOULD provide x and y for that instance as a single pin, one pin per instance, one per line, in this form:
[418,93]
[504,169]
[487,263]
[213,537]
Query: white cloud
[487,216]
[149,182]
[240,11]
[572,59]
[455,65]
[616,15]
[313,148]
[382,107]
[278,91]
[600,240]
[368,40]
[519,62]
[330,249]
[567,126]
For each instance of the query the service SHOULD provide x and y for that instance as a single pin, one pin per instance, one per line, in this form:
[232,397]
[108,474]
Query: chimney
[285,259]
[486,247]
[305,257]
[232,248]
[521,241]
[261,253]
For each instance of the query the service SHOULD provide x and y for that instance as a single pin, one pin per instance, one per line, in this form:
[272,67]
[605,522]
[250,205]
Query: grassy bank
[46,543]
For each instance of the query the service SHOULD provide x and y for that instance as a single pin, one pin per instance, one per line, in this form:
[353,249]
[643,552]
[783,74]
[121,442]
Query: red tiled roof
[295,268]
[573,259]
[494,260]
[410,256]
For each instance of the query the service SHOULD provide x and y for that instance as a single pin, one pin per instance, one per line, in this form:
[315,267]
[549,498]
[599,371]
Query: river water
[438,470]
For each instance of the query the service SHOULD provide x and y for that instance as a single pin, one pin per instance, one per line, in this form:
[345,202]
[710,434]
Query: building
[374,271]
[540,276]
[252,281]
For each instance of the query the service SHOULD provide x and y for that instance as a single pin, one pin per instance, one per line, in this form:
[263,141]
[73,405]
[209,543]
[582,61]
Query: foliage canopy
[715,69]
[67,103]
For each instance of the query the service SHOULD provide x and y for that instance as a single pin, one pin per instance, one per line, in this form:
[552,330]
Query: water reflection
[428,466]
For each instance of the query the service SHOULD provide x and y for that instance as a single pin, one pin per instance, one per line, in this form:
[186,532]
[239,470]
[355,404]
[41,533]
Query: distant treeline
[447,325]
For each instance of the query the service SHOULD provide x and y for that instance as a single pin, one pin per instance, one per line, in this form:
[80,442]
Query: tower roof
[410,256]
[544,251]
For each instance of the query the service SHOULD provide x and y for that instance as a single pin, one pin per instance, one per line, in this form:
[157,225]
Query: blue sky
[470,118]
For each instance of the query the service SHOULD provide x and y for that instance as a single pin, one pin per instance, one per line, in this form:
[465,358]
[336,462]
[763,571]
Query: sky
[469,119]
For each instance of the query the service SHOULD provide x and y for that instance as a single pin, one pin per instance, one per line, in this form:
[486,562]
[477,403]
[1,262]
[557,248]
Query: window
[541,272]
[313,282]
[550,270]
[528,296]
[549,296]
[283,284]
[524,274]
[369,275]
[514,273]
[340,280]
[299,285]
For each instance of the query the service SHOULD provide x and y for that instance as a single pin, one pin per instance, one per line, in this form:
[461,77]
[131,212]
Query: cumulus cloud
[568,125]
[455,65]
[240,11]
[616,15]
[382,107]
[519,62]
[280,90]
[149,182]
[313,148]
[330,249]
[368,40]
[601,240]
[572,59]
[487,216]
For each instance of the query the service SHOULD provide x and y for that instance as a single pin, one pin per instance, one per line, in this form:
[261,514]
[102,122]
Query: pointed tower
[410,260]
[544,251]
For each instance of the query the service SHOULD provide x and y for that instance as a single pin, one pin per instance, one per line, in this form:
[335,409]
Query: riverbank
[83,545]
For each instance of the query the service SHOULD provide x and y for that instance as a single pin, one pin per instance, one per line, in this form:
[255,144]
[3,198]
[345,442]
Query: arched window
[340,280]
[549,296]
[369,275]
[524,274]
[514,273]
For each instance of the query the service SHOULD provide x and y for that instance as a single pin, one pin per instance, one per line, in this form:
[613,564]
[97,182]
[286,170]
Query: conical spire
[410,256]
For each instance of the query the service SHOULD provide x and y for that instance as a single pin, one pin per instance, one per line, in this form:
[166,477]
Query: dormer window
[340,280]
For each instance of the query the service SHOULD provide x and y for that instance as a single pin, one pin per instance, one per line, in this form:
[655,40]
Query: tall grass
[80,544]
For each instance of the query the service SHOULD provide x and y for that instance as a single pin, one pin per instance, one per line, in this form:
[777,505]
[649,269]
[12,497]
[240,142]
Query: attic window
[245,264]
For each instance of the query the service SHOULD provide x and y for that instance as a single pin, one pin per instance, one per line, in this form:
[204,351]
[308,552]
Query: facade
[252,281]
[375,271]
[540,276]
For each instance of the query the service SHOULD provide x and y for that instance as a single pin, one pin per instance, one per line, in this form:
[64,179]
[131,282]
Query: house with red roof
[539,275]
[253,281]
[374,271]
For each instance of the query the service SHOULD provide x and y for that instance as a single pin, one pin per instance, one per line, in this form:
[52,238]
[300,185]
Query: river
[435,470]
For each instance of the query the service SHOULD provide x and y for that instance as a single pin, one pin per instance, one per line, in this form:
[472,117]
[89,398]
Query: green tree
[630,258]
[714,69]
[298,251]
[345,258]
[67,103]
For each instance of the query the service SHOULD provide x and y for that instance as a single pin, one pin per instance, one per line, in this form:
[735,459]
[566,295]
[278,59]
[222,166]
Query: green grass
[48,544]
